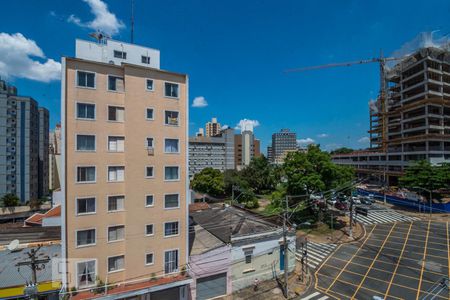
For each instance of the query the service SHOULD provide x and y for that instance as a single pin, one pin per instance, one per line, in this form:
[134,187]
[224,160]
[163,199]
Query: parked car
[332,201]
[356,200]
[340,206]
[365,200]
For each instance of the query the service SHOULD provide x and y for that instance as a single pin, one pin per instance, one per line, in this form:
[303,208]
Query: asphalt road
[405,260]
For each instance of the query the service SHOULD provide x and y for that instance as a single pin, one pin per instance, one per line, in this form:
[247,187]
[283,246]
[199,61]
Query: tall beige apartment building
[125,182]
[213,128]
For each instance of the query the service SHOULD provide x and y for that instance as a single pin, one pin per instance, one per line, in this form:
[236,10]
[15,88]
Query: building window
[116,263]
[149,142]
[149,200]
[85,79]
[170,261]
[171,201]
[170,229]
[149,229]
[145,59]
[149,114]
[86,273]
[150,86]
[116,113]
[149,172]
[171,146]
[120,54]
[86,111]
[171,90]
[116,233]
[171,173]
[115,84]
[85,142]
[171,118]
[85,237]
[116,173]
[116,143]
[116,203]
[149,259]
[248,252]
[85,206]
[86,174]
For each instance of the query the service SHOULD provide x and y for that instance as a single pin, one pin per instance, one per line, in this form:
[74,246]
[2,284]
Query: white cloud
[323,135]
[199,102]
[246,124]
[104,20]
[305,142]
[225,127]
[21,57]
[364,140]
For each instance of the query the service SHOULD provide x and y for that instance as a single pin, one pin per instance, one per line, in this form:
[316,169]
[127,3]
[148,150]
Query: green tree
[342,150]
[209,181]
[10,201]
[313,171]
[233,178]
[426,176]
[258,175]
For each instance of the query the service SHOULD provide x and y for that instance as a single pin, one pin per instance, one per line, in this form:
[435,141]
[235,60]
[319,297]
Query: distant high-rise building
[283,142]
[22,145]
[215,152]
[269,153]
[246,147]
[213,128]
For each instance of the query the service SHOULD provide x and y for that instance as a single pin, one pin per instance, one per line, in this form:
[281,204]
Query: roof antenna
[132,22]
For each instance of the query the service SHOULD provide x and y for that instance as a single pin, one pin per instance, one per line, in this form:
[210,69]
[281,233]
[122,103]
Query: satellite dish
[13,245]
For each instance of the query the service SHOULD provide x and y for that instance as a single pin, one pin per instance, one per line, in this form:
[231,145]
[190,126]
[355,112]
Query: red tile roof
[198,206]
[36,219]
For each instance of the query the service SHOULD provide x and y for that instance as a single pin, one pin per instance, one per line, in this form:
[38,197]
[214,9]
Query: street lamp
[426,190]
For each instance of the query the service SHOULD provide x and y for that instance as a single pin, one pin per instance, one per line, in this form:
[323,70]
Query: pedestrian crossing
[384,216]
[317,252]
[315,296]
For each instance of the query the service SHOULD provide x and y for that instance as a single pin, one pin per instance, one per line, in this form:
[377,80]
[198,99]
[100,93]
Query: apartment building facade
[22,145]
[247,146]
[215,152]
[415,124]
[125,171]
[213,128]
[282,143]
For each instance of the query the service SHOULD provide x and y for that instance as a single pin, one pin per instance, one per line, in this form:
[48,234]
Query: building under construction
[410,120]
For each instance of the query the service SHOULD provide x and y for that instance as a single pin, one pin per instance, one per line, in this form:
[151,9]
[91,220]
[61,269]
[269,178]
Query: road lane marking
[360,247]
[423,261]
[398,262]
[315,273]
[375,259]
[448,250]
[381,270]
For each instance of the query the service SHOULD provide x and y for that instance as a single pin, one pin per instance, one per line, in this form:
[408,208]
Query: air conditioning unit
[151,151]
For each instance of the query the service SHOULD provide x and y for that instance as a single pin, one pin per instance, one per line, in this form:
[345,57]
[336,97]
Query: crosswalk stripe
[323,298]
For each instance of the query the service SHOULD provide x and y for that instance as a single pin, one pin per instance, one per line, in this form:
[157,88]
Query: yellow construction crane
[383,83]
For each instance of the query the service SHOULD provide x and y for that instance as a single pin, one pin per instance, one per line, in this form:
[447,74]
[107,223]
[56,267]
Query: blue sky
[235,53]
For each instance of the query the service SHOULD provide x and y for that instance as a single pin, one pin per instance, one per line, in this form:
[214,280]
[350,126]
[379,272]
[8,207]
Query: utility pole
[33,263]
[285,244]
[351,217]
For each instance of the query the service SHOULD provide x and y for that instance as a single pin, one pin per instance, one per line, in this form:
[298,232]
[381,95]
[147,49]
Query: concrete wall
[104,52]
[213,262]
[265,262]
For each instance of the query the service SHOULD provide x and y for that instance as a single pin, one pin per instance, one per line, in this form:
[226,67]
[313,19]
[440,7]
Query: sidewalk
[272,290]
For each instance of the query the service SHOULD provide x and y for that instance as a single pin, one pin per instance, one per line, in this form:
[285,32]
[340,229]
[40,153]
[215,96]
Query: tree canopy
[210,181]
[426,176]
[342,150]
[313,171]
[10,200]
